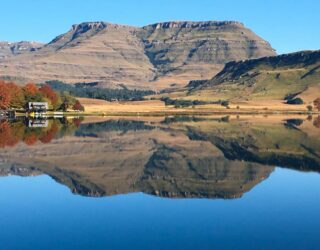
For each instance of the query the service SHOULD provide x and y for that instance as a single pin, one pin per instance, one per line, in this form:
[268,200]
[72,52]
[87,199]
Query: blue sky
[289,25]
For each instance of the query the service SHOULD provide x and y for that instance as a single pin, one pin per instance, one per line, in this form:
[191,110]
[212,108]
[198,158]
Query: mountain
[8,49]
[278,77]
[156,56]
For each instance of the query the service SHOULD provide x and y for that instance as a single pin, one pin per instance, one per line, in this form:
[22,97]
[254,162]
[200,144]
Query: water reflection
[31,131]
[204,157]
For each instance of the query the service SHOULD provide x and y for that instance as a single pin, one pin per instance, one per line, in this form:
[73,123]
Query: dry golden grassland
[157,107]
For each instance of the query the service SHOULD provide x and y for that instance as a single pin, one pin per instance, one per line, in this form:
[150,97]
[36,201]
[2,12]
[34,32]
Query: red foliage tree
[78,106]
[48,92]
[31,89]
[316,103]
[16,95]
[5,97]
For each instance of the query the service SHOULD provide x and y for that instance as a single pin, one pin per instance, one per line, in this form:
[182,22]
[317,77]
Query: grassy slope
[252,85]
[270,78]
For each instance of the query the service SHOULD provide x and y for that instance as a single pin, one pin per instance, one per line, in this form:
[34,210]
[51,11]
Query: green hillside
[269,78]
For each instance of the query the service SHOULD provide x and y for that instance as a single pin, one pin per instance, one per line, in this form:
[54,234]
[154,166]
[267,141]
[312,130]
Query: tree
[309,107]
[32,93]
[225,104]
[78,106]
[67,101]
[295,101]
[49,93]
[5,97]
[316,103]
[31,89]
[16,95]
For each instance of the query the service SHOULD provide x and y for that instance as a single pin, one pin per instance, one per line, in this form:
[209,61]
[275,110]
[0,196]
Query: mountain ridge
[277,77]
[160,55]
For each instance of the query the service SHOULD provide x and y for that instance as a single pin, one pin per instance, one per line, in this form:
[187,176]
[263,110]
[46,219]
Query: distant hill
[8,49]
[278,77]
[158,56]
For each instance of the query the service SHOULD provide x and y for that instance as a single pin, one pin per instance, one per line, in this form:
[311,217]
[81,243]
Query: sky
[289,25]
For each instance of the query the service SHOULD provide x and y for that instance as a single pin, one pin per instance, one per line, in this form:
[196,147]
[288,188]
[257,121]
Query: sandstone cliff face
[155,56]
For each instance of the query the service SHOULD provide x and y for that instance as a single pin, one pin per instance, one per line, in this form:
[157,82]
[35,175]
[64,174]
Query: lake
[215,182]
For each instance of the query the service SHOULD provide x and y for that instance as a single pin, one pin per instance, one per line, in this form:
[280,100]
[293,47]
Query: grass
[158,108]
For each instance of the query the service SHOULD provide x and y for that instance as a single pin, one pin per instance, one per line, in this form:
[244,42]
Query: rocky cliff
[156,56]
[8,49]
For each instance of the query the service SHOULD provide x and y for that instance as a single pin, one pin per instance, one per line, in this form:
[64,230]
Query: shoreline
[174,113]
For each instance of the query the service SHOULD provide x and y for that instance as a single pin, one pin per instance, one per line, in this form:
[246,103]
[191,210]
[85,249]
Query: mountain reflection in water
[178,157]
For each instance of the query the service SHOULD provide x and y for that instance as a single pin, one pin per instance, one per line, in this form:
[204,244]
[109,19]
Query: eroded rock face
[8,49]
[155,56]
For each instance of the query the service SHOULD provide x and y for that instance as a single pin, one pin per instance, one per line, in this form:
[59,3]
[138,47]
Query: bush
[181,103]
[225,103]
[295,101]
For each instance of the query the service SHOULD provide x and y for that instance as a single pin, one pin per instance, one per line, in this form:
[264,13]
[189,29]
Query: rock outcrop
[156,56]
[8,49]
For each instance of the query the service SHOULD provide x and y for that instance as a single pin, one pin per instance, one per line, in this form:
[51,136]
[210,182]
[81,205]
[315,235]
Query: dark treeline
[91,91]
[187,103]
[124,126]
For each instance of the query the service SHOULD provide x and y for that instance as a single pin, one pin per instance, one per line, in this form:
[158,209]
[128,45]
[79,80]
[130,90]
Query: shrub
[309,108]
[295,101]
[77,106]
[225,103]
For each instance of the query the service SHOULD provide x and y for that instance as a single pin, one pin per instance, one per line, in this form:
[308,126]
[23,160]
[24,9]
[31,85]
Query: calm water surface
[160,183]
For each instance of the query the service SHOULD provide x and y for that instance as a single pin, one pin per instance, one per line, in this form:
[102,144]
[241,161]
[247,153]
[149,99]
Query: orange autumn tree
[49,93]
[32,93]
[31,89]
[16,95]
[5,96]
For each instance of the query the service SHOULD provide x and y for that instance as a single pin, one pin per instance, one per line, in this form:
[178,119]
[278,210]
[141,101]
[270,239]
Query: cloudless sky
[289,25]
